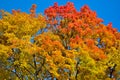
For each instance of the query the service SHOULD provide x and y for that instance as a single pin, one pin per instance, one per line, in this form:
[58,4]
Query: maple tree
[62,44]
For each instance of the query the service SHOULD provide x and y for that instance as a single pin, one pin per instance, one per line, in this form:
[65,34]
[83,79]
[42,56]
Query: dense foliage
[62,44]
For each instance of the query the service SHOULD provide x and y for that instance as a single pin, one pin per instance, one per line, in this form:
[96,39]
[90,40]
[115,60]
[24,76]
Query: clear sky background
[108,10]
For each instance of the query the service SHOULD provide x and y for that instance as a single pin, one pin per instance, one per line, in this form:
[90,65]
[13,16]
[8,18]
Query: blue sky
[108,10]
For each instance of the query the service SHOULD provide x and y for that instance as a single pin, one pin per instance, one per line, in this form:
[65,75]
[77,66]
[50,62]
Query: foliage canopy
[62,44]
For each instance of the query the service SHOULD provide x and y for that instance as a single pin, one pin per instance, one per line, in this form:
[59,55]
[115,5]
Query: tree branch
[77,69]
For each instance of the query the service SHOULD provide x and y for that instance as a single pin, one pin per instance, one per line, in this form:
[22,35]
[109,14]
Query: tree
[64,44]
